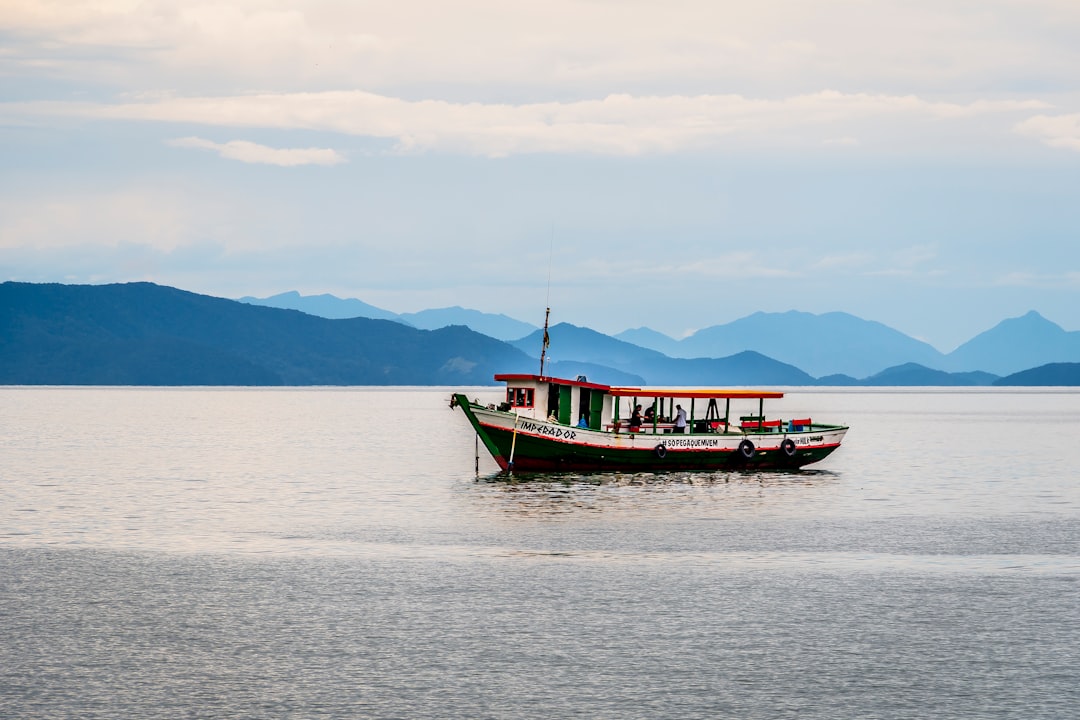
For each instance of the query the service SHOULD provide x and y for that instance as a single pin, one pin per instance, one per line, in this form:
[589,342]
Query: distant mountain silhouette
[838,380]
[914,375]
[1017,344]
[652,340]
[831,343]
[146,334]
[744,368]
[496,326]
[1051,375]
[327,306]
[493,325]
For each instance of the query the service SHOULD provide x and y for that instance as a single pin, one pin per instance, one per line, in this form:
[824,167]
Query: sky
[674,165]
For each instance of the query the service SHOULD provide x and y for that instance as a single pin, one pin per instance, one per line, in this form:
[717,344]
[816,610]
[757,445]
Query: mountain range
[839,343]
[146,334]
[140,333]
[830,344]
[493,325]
[834,342]
[742,368]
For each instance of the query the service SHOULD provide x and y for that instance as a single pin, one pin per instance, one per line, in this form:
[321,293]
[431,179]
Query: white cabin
[569,402]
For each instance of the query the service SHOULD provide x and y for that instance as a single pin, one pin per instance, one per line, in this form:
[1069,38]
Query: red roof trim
[511,377]
[697,393]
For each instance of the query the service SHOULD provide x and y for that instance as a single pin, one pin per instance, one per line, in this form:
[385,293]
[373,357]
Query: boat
[553,424]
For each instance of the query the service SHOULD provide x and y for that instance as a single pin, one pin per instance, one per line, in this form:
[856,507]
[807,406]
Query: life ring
[661,451]
[747,450]
[788,446]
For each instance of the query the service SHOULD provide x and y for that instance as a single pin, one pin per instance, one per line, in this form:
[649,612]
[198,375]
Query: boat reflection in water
[691,494]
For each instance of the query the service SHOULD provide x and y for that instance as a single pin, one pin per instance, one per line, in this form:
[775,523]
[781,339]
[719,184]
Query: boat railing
[758,427]
[624,426]
[698,427]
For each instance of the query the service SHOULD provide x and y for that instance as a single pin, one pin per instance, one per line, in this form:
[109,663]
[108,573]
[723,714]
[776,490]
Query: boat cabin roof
[522,377]
[720,393]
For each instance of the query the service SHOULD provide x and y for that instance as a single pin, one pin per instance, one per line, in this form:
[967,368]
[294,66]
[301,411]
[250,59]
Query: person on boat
[680,419]
[635,418]
[650,415]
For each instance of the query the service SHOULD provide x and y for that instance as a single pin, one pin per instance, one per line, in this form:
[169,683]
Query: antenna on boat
[547,341]
[547,311]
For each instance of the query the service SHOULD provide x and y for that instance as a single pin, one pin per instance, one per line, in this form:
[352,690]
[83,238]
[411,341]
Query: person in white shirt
[680,419]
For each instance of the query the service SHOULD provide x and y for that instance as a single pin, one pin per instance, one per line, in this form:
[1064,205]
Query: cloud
[109,218]
[1028,279]
[740,265]
[562,48]
[143,214]
[250,152]
[842,262]
[1056,131]
[905,262]
[573,76]
[915,255]
[618,124]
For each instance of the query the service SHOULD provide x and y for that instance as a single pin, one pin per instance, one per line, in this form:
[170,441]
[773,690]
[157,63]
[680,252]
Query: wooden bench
[766,425]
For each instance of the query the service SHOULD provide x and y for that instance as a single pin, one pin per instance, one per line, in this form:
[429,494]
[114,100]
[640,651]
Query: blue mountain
[569,342]
[1017,344]
[1050,375]
[494,325]
[327,306]
[831,343]
[915,375]
[651,339]
[146,334]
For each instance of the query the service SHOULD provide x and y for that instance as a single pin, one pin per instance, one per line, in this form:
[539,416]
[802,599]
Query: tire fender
[746,450]
[788,447]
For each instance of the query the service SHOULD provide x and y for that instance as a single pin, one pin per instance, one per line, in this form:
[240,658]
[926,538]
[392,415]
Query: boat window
[519,397]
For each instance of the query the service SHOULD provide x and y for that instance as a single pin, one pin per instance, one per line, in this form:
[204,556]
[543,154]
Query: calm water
[331,553]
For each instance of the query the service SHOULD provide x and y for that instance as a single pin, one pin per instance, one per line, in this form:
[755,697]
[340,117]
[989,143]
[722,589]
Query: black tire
[661,451]
[788,447]
[746,450]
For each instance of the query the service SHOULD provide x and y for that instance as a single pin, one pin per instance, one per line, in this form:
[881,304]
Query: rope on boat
[513,444]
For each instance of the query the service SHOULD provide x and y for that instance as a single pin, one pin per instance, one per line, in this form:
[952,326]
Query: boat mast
[547,311]
[547,341]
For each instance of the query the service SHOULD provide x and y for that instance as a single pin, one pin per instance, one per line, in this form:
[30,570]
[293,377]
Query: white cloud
[564,47]
[250,152]
[841,262]
[841,142]
[915,255]
[905,262]
[615,125]
[1028,279]
[159,218]
[1055,130]
[684,75]
[643,270]
[110,218]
